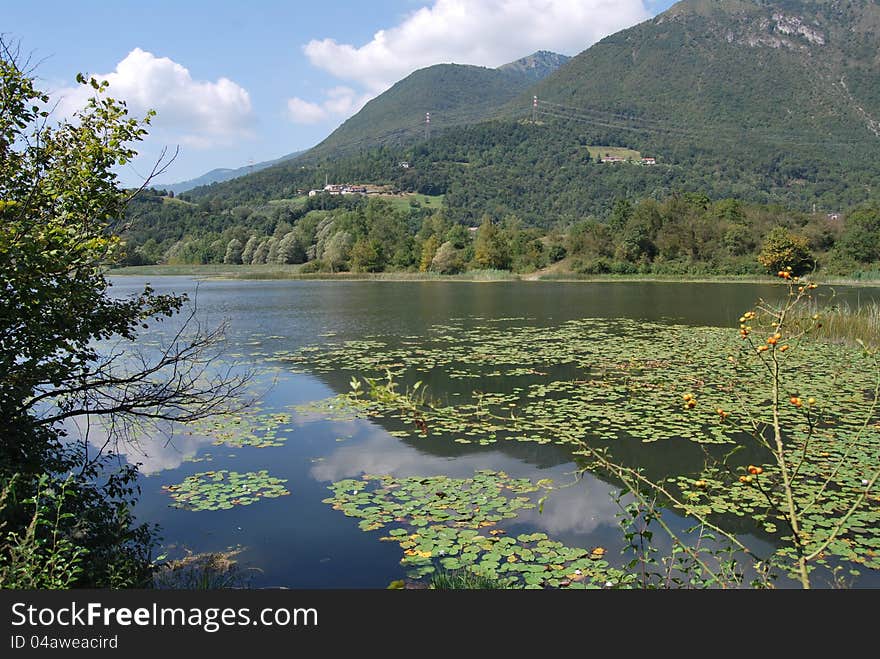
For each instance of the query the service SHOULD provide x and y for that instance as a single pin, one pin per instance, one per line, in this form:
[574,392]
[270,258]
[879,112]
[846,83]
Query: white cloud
[195,112]
[481,32]
[339,102]
[303,112]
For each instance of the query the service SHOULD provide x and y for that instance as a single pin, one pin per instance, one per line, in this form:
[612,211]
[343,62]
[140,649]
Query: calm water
[299,542]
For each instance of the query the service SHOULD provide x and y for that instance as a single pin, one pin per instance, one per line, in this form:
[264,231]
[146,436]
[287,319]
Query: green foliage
[465,580]
[365,256]
[40,556]
[233,252]
[448,260]
[860,241]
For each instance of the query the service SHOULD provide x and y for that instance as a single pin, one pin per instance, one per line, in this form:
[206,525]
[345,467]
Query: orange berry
[783,348]
[772,341]
[794,400]
[763,348]
[755,470]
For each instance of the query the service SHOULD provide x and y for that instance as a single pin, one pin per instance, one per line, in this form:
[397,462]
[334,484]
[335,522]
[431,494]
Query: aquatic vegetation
[591,378]
[245,428]
[464,580]
[456,524]
[594,384]
[222,490]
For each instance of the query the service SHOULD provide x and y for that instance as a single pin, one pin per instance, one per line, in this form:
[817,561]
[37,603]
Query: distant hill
[536,66]
[222,174]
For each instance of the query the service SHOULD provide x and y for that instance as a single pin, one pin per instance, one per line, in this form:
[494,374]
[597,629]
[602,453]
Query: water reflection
[158,450]
[579,508]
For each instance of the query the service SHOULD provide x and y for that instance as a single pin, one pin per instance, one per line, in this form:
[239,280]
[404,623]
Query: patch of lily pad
[454,523]
[597,378]
[249,428]
[600,381]
[223,490]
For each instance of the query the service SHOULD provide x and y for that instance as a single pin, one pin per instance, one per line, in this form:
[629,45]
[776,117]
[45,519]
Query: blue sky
[235,82]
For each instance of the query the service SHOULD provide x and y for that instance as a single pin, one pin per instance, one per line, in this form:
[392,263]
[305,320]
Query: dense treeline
[682,233]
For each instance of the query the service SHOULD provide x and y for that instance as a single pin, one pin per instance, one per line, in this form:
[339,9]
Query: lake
[297,540]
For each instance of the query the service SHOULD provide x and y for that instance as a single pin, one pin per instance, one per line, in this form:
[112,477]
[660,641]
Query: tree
[68,348]
[366,256]
[429,249]
[338,250]
[233,252]
[290,250]
[783,250]
[491,249]
[620,215]
[261,252]
[272,252]
[247,254]
[861,236]
[448,260]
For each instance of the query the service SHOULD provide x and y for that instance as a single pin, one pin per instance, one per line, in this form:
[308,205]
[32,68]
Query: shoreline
[275,273]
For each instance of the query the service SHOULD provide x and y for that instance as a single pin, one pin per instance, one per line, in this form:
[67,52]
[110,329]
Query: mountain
[536,66]
[785,68]
[454,94]
[223,174]
[771,102]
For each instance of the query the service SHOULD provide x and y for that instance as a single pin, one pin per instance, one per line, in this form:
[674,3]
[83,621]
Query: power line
[613,120]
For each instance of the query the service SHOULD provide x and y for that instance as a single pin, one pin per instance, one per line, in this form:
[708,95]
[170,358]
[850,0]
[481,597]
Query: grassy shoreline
[263,272]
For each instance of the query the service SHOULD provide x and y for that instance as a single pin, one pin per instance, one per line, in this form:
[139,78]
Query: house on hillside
[612,159]
[649,161]
[340,189]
